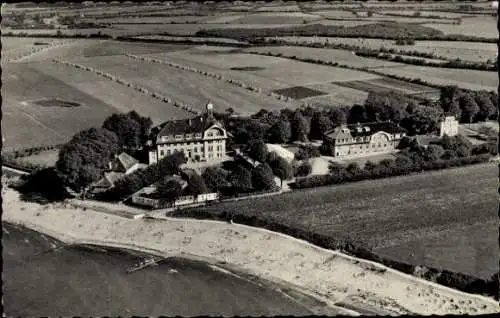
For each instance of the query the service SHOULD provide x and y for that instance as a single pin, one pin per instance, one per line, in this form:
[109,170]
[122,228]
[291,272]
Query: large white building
[201,138]
[362,140]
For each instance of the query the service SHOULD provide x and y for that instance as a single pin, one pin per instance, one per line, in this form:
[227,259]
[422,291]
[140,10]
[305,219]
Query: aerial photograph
[250,158]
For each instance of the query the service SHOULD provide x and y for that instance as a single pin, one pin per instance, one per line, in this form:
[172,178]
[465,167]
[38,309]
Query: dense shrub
[384,169]
[307,152]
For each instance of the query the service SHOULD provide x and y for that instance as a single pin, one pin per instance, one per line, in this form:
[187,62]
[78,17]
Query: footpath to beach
[332,277]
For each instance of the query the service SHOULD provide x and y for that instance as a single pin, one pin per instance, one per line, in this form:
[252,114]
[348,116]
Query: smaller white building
[449,127]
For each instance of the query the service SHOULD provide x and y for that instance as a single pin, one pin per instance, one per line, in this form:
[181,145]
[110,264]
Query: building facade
[448,126]
[201,138]
[363,140]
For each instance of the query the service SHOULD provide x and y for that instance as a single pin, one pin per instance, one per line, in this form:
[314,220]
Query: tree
[303,169]
[357,114]
[353,169]
[320,124]
[145,124]
[369,166]
[85,157]
[449,100]
[169,190]
[127,130]
[306,152]
[171,164]
[263,178]
[421,119]
[282,169]
[486,108]
[280,132]
[433,153]
[215,178]
[468,107]
[241,179]
[300,127]
[258,151]
[385,106]
[337,117]
[196,185]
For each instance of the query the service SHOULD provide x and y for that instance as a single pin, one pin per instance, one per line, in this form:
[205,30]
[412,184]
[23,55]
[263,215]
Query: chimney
[189,122]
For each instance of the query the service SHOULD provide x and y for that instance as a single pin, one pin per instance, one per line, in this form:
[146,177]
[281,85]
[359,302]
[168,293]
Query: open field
[45,158]
[328,55]
[121,98]
[184,86]
[447,49]
[27,124]
[277,18]
[283,76]
[452,15]
[284,72]
[470,79]
[430,212]
[483,26]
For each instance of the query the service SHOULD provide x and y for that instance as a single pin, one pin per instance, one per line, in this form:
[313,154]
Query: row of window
[195,150]
[359,139]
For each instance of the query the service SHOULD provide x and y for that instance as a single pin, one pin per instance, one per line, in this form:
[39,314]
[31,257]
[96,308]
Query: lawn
[445,219]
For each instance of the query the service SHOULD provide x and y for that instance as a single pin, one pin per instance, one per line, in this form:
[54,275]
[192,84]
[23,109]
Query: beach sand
[330,276]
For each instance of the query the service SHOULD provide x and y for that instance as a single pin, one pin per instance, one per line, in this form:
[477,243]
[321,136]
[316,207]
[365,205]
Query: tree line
[385,30]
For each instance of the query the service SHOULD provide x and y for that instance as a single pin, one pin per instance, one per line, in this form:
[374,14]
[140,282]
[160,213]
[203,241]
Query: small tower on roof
[210,110]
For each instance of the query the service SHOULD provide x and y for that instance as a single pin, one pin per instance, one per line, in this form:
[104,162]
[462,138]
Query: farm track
[123,82]
[216,76]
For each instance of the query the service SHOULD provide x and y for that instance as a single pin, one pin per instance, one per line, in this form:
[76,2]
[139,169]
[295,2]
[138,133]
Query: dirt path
[328,275]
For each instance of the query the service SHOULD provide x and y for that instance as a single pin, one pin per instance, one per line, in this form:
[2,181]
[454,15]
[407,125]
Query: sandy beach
[330,276]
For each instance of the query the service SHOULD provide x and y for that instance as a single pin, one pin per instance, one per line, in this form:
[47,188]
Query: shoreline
[328,276]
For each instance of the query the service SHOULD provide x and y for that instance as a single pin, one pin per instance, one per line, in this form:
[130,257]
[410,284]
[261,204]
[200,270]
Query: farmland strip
[213,75]
[158,96]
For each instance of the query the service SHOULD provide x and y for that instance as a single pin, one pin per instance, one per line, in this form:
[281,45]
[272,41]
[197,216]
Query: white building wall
[449,126]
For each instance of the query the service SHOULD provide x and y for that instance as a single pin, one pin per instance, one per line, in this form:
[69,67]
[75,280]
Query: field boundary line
[38,50]
[158,96]
[233,82]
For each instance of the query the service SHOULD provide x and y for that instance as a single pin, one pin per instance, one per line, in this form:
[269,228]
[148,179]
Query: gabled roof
[123,162]
[387,126]
[192,125]
[113,177]
[109,180]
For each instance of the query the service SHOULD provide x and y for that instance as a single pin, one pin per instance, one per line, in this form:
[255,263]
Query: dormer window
[198,135]
[189,136]
[345,130]
[367,129]
[210,134]
[165,138]
[177,137]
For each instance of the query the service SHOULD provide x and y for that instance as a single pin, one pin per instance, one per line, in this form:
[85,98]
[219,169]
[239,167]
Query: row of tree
[381,30]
